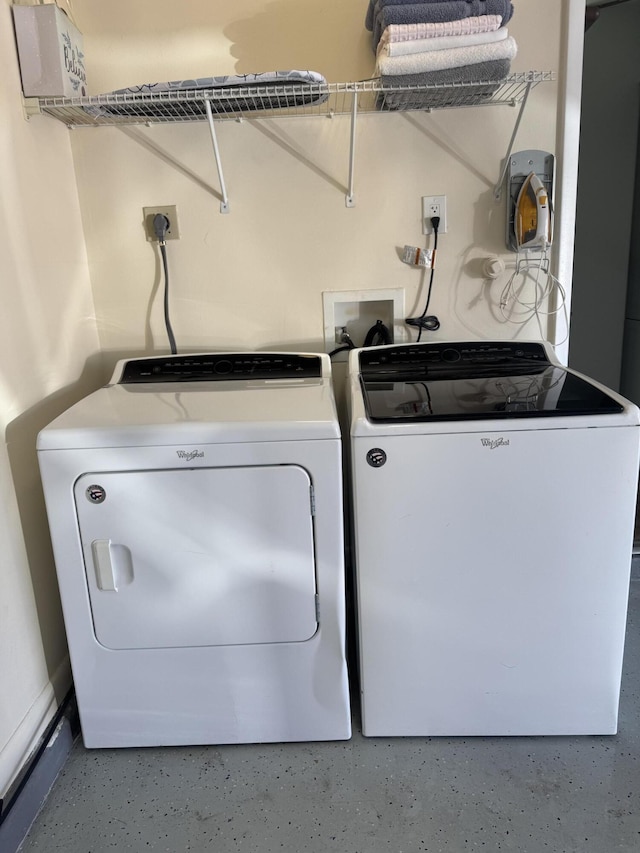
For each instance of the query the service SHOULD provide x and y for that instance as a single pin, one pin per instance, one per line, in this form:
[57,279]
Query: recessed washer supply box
[50,51]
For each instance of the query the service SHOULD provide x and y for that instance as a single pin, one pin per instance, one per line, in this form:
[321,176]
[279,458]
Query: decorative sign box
[50,52]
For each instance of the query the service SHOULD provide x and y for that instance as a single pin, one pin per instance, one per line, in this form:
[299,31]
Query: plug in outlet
[171,212]
[434,205]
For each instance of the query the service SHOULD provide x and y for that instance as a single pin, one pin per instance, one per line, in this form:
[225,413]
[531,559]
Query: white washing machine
[195,509]
[494,498]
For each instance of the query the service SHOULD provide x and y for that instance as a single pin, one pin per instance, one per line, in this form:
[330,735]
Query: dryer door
[199,557]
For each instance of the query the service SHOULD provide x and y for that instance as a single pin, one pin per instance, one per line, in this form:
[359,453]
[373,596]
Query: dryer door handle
[105,574]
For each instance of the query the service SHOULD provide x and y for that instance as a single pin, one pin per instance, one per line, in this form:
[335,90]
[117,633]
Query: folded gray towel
[483,79]
[414,13]
[372,4]
[386,13]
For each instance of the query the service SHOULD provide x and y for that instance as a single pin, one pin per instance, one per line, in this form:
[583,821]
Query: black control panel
[431,358]
[221,366]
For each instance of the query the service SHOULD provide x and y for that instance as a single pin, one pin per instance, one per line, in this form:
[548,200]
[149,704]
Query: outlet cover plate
[171,212]
[434,205]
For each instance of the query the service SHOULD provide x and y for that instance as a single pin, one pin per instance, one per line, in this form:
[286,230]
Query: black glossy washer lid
[440,382]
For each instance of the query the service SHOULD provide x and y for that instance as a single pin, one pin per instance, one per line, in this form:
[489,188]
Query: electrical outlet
[434,205]
[171,212]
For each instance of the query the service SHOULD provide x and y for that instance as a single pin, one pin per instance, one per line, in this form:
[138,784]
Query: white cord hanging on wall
[530,290]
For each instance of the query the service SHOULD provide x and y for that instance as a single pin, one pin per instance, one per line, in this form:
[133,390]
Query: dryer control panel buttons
[223,366]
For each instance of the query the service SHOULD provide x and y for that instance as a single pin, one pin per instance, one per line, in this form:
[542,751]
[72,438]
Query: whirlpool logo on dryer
[189,455]
[494,443]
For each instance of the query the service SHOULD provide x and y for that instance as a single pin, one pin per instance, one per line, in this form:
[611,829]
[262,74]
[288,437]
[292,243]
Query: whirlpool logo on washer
[190,455]
[494,443]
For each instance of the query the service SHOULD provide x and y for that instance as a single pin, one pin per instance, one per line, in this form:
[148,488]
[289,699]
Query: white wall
[254,278]
[48,346]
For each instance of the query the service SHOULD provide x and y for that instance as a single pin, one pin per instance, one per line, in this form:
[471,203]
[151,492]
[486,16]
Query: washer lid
[446,382]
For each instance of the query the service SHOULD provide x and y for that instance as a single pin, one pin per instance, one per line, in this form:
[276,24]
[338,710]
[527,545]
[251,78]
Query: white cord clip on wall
[493,267]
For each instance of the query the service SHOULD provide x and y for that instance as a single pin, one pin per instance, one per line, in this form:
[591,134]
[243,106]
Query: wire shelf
[275,101]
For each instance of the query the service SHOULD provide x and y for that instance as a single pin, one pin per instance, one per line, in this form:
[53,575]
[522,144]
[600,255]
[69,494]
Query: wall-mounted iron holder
[521,164]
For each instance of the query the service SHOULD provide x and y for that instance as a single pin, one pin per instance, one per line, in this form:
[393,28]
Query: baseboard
[24,802]
[25,739]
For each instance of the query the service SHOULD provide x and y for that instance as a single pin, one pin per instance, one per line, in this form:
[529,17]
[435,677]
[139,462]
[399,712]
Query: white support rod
[349,200]
[224,204]
[497,192]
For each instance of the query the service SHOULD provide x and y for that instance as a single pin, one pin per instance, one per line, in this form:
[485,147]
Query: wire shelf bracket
[497,191]
[349,198]
[224,204]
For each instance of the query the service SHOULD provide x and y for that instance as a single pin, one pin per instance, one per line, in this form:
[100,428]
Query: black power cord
[160,227]
[346,343]
[429,322]
[378,335]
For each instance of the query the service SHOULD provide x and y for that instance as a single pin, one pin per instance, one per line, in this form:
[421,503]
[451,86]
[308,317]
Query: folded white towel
[438,60]
[407,32]
[401,48]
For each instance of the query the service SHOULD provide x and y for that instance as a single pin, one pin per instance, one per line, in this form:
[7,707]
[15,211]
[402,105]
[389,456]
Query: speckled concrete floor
[567,795]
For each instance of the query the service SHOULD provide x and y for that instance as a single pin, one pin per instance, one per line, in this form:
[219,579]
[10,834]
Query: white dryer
[195,509]
[494,498]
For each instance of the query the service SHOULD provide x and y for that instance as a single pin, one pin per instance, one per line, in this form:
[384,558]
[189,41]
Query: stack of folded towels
[441,43]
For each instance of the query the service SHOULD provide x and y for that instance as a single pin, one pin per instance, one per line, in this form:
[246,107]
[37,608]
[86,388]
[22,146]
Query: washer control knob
[223,366]
[450,355]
